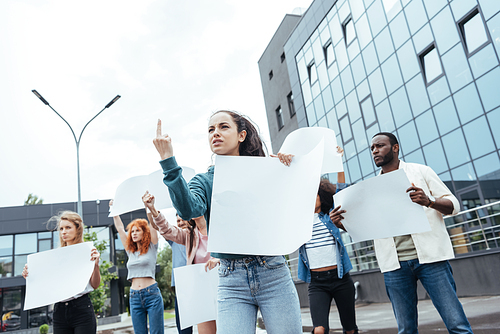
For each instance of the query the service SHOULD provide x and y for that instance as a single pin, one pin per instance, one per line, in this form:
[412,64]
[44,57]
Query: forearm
[95,279]
[118,223]
[443,205]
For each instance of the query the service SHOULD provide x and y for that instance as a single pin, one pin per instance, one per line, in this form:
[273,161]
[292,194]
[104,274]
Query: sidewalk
[483,314]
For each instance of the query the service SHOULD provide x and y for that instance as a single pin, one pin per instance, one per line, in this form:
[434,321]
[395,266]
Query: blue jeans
[254,282]
[437,279]
[144,302]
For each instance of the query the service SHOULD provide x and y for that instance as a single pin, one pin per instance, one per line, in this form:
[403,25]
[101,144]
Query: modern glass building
[426,70]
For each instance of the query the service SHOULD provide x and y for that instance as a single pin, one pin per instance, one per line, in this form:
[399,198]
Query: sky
[177,61]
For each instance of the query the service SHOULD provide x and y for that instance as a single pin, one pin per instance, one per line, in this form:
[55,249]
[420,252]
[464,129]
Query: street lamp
[77,142]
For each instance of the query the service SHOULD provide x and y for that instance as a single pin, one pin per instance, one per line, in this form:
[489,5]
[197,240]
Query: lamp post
[77,142]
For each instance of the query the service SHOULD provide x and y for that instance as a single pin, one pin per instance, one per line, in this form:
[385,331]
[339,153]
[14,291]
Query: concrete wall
[476,274]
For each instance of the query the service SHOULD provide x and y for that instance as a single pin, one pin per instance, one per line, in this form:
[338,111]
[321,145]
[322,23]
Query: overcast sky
[174,60]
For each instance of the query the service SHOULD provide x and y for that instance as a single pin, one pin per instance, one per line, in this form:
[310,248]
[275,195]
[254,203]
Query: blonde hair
[76,220]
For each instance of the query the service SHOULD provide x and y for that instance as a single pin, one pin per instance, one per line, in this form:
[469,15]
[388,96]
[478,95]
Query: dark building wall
[277,88]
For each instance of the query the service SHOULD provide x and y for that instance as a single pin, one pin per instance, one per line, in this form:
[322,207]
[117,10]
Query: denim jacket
[343,262]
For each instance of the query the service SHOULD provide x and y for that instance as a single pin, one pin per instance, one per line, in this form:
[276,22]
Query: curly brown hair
[131,246]
[325,192]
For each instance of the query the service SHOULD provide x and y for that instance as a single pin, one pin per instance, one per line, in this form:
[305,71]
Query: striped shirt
[321,249]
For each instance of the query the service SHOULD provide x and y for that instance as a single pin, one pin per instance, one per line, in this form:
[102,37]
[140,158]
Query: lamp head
[40,97]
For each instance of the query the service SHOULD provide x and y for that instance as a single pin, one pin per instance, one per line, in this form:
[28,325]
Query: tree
[33,200]
[163,278]
[102,293]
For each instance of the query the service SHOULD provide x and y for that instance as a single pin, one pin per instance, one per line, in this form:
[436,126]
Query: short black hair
[392,138]
[325,192]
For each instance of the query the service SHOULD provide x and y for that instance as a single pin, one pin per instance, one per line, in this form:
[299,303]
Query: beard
[386,159]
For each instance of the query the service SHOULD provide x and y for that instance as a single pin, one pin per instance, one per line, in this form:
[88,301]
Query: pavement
[483,314]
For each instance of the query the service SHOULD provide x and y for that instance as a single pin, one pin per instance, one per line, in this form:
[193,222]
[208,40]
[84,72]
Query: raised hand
[163,143]
[340,151]
[25,271]
[149,202]
[336,217]
[285,159]
[95,255]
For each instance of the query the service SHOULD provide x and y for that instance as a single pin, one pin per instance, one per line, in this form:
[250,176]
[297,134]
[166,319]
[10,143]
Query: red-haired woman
[141,245]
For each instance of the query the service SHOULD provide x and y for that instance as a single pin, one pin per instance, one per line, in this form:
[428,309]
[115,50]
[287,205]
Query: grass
[168,315]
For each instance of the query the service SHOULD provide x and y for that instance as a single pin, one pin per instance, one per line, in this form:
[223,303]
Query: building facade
[426,70]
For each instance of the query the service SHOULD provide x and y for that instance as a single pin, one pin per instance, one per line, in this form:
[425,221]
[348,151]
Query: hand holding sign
[163,143]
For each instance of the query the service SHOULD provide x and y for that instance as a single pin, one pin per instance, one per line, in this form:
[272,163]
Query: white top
[432,246]
[321,249]
[88,289]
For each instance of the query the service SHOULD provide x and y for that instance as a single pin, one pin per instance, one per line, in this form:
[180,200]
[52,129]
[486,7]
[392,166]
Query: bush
[44,329]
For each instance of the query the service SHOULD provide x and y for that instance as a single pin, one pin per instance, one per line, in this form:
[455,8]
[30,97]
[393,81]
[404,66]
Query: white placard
[128,196]
[57,274]
[380,208]
[262,207]
[304,140]
[196,292]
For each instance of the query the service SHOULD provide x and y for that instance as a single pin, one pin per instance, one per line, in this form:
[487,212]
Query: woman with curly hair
[141,245]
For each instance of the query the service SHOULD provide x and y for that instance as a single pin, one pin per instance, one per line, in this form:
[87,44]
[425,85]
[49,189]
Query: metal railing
[470,231]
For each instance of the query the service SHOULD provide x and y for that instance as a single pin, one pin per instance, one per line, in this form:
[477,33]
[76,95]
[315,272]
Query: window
[473,32]
[311,71]
[368,111]
[271,75]
[283,57]
[279,118]
[348,30]
[430,64]
[291,106]
[329,55]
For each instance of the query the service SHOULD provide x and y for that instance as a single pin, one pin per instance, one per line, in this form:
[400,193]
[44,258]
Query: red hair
[131,246]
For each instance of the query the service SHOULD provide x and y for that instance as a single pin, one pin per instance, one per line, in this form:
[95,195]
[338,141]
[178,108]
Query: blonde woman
[74,315]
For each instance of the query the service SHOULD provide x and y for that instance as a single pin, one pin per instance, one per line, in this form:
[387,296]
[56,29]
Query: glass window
[455,148]
[6,244]
[399,30]
[350,150]
[363,31]
[358,70]
[306,93]
[329,54]
[370,58]
[348,30]
[431,64]
[324,81]
[353,106]
[363,90]
[400,107]
[338,93]
[473,31]
[446,116]
[12,299]
[345,129]
[443,27]
[302,67]
[488,7]
[282,57]
[55,239]
[494,28]
[358,129]
[341,109]
[357,9]
[434,156]
[291,106]
[462,7]
[311,115]
[456,68]
[271,75]
[488,89]
[377,86]
[423,38]
[415,157]
[368,111]
[487,167]
[494,118]
[311,71]
[333,71]
[317,48]
[426,127]
[468,104]
[438,90]
[418,95]
[384,116]
[279,118]
[408,61]
[464,176]
[327,98]
[318,107]
[383,42]
[44,245]
[434,6]
[392,8]
[38,317]
[19,262]
[332,121]
[354,171]
[6,266]
[370,132]
[322,122]
[479,138]
[25,243]
[335,29]
[44,235]
[392,75]
[341,54]
[347,82]
[408,138]
[415,15]
[483,61]
[376,17]
[366,162]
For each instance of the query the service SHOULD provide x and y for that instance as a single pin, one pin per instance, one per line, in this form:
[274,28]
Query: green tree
[102,293]
[163,278]
[33,200]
